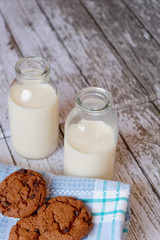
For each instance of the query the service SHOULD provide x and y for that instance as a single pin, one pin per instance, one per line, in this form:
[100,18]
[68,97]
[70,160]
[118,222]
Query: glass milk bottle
[33,109]
[91,132]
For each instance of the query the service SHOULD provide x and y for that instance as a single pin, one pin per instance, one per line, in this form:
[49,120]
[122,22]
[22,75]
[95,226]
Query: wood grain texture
[53,163]
[135,45]
[145,205]
[91,52]
[140,129]
[9,55]
[34,36]
[148,12]
[5,156]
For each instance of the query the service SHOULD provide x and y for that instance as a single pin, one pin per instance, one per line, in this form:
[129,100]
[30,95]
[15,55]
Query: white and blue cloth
[108,202]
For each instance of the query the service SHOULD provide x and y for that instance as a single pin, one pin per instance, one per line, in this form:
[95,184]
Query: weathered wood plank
[148,12]
[91,51]
[34,36]
[145,205]
[135,45]
[144,202]
[53,163]
[9,55]
[140,129]
[5,156]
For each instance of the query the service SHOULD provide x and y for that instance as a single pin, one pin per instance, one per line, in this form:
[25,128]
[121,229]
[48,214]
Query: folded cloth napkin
[108,202]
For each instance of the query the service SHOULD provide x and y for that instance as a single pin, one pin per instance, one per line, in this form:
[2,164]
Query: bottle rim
[42,66]
[94,93]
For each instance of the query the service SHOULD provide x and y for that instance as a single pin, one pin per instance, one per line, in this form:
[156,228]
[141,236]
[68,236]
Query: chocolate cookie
[25,229]
[22,193]
[64,218]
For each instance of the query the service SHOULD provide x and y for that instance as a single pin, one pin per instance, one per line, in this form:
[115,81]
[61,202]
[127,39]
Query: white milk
[34,113]
[89,150]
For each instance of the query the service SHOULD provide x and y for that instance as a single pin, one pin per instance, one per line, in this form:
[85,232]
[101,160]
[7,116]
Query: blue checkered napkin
[108,202]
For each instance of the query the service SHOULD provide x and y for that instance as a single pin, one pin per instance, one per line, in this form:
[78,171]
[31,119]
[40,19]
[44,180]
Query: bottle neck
[94,100]
[32,70]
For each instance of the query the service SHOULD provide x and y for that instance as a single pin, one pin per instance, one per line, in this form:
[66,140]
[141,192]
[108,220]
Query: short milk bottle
[33,109]
[91,131]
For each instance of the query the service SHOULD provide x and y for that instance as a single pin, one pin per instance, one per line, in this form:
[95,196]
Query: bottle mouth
[94,99]
[32,68]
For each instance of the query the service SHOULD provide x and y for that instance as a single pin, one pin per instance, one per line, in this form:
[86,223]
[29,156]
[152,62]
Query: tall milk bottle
[91,131]
[33,109]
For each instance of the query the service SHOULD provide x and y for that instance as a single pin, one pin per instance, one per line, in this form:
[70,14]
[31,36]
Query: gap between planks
[148,98]
[129,149]
[7,146]
[6,139]
[84,68]
[113,49]
[52,27]
[17,49]
[140,21]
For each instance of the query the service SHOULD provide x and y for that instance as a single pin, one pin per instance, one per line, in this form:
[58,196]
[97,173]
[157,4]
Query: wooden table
[114,44]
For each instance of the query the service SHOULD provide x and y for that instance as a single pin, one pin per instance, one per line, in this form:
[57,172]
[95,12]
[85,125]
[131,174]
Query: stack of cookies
[23,194]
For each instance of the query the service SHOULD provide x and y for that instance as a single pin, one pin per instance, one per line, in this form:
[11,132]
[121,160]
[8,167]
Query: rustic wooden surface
[113,44]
